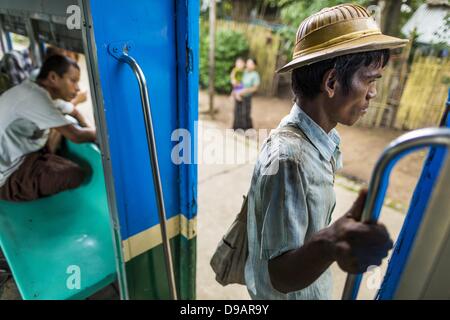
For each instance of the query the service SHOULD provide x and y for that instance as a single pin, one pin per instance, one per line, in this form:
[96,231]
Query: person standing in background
[243,97]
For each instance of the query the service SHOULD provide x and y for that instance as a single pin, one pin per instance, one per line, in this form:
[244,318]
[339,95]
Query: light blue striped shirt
[291,198]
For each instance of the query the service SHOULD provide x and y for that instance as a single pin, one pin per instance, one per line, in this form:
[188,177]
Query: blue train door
[160,39]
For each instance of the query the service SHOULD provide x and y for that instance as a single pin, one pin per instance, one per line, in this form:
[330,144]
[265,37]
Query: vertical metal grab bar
[155,167]
[403,145]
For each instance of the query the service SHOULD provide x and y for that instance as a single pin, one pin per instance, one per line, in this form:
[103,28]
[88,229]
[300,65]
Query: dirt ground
[361,147]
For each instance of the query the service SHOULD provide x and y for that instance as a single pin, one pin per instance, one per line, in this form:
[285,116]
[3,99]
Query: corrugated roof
[427,20]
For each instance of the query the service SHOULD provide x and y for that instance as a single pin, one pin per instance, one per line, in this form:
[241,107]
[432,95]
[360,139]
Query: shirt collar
[37,87]
[327,144]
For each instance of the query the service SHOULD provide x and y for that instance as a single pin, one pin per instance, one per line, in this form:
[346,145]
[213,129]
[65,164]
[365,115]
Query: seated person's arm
[77,134]
[80,98]
[79,117]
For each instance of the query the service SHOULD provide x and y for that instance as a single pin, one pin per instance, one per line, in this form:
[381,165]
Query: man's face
[348,108]
[66,87]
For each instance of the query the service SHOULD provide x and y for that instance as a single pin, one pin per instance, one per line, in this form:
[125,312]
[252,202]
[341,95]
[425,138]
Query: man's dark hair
[306,80]
[57,63]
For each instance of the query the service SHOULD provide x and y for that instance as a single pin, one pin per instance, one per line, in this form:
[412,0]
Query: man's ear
[329,83]
[53,77]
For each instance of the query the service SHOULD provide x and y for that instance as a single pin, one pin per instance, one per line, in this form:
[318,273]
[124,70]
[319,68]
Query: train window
[19,42]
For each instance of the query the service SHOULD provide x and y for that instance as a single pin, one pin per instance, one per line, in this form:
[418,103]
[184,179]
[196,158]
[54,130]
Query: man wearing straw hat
[338,56]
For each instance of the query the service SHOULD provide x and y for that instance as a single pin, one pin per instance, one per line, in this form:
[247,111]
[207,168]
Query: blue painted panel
[188,15]
[150,25]
[419,202]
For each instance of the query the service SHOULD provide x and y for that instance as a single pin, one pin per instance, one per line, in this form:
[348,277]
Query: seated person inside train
[31,121]
[52,51]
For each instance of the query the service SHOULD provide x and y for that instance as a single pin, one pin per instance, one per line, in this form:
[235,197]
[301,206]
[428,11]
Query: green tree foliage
[229,45]
[292,13]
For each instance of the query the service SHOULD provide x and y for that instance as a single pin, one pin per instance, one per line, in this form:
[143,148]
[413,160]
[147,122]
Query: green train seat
[50,242]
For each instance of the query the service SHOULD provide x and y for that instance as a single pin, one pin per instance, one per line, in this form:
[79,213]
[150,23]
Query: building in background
[431,25]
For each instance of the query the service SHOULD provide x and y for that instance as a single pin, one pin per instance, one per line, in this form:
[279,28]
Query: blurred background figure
[243,97]
[15,67]
[236,77]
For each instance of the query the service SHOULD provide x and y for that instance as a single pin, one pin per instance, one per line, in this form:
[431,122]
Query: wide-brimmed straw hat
[336,31]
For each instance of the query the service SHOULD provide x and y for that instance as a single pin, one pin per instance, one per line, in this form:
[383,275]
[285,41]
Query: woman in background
[236,76]
[243,97]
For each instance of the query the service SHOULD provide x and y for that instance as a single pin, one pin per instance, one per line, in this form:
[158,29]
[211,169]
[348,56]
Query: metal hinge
[189,59]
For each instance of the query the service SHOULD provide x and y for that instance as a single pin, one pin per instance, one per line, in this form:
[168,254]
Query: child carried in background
[236,78]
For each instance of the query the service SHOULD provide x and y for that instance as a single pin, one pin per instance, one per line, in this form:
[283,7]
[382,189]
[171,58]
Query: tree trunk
[242,8]
[212,47]
[390,17]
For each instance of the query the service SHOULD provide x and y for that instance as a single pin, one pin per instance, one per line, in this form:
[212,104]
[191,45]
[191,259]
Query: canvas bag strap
[242,215]
[300,132]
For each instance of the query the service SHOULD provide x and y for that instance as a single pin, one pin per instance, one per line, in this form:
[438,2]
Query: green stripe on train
[147,276]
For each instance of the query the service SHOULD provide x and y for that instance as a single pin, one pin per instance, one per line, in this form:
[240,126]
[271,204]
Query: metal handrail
[155,167]
[397,149]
